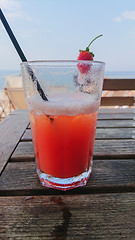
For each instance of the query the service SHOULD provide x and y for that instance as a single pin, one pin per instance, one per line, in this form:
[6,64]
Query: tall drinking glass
[64,127]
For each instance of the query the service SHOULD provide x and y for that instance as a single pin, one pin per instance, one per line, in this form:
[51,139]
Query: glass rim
[44,62]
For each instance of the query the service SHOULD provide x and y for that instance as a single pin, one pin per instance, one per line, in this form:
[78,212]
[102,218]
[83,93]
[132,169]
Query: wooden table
[103,209]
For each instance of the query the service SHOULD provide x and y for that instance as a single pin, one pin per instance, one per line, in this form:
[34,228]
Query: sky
[57,29]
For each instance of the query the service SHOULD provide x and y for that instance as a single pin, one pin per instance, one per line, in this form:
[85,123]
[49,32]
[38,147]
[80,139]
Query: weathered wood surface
[114,149]
[119,84]
[101,133]
[11,130]
[27,136]
[108,148]
[107,133]
[20,178]
[103,110]
[126,128]
[115,123]
[117,116]
[106,216]
[120,101]
[23,152]
[103,209]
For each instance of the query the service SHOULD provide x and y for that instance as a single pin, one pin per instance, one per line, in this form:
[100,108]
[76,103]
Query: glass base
[64,183]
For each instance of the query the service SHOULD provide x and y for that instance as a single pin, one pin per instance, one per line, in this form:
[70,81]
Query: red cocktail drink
[63,144]
[64,127]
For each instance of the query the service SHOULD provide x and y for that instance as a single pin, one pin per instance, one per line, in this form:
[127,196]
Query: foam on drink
[69,104]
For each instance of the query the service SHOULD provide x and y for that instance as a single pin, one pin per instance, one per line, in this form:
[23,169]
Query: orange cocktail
[63,144]
[63,119]
[63,136]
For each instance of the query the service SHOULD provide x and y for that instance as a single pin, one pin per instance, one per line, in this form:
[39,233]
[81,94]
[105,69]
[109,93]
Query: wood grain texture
[114,133]
[116,116]
[107,176]
[121,129]
[114,149]
[11,130]
[117,101]
[103,209]
[101,133]
[119,84]
[116,123]
[104,149]
[99,217]
[27,136]
[23,152]
[115,110]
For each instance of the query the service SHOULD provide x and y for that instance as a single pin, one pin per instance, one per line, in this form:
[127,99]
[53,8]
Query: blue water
[120,74]
[108,74]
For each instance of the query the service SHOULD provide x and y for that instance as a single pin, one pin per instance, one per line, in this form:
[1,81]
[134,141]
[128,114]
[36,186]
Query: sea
[108,74]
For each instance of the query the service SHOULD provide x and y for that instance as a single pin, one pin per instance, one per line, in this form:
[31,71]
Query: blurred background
[57,29]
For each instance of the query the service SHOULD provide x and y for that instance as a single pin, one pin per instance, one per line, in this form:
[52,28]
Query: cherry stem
[94,40]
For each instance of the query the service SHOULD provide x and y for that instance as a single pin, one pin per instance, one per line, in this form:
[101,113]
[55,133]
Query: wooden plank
[69,216]
[116,116]
[101,133]
[120,101]
[116,110]
[101,217]
[106,118]
[119,84]
[107,176]
[11,130]
[104,124]
[27,136]
[23,152]
[103,149]
[121,133]
[115,124]
[109,149]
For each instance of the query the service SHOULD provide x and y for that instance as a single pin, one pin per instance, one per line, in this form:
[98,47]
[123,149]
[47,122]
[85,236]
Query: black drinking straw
[22,56]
